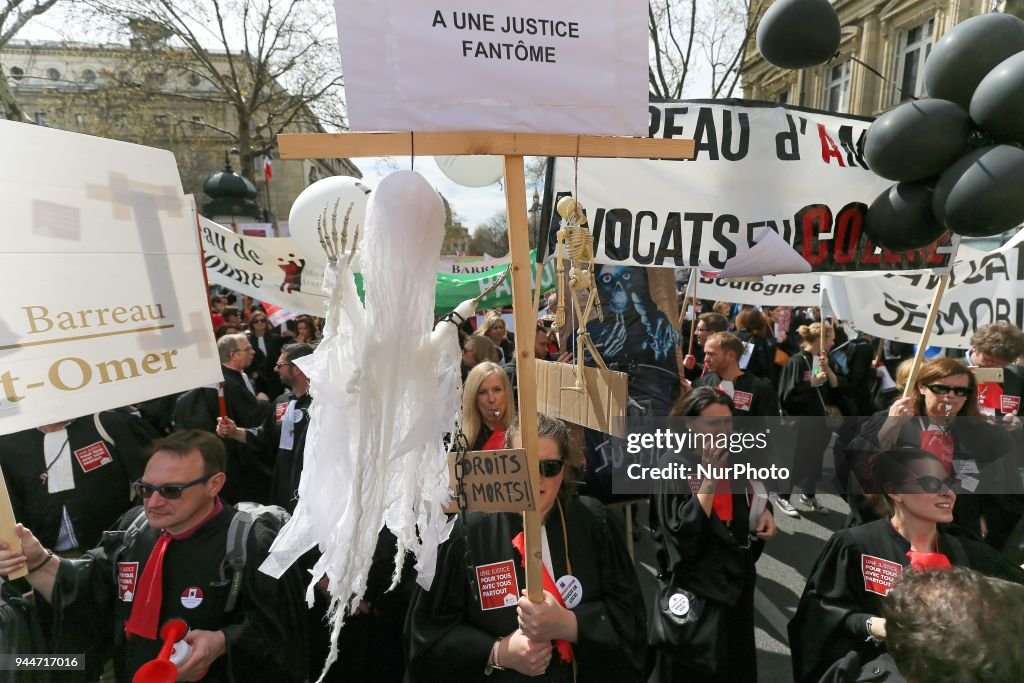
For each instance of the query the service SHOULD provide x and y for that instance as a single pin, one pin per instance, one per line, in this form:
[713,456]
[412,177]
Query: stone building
[103,90]
[892,36]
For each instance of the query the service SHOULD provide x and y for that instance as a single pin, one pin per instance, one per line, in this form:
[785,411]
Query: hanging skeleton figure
[574,240]
[386,388]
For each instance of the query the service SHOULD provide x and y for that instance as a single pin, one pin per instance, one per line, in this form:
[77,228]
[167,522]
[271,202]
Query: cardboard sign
[7,523]
[493,481]
[605,398]
[127,578]
[576,66]
[879,575]
[93,456]
[498,585]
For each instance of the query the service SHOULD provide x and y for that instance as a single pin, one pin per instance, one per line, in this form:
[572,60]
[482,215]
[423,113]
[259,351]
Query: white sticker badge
[192,597]
[571,589]
[679,605]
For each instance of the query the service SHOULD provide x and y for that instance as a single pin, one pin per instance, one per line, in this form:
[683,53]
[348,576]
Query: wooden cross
[512,146]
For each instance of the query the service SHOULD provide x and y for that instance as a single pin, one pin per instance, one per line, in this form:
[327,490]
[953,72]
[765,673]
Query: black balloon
[916,139]
[967,52]
[901,218]
[795,34]
[998,103]
[982,193]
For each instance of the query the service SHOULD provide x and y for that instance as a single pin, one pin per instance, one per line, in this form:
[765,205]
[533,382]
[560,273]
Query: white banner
[471,265]
[757,167]
[984,288]
[266,268]
[104,301]
[773,290]
[575,66]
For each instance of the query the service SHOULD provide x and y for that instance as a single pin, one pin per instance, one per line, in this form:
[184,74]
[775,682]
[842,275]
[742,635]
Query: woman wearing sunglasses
[710,538]
[838,613]
[267,345]
[941,417]
[475,624]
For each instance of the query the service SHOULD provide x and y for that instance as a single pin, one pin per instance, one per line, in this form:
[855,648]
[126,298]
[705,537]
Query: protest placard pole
[933,313]
[525,324]
[682,313]
[513,146]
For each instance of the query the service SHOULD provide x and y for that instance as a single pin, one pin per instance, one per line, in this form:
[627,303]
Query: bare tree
[273,63]
[14,14]
[491,237]
[688,36]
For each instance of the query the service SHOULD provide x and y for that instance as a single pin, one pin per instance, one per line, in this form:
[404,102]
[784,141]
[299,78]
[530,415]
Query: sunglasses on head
[943,389]
[166,491]
[931,484]
[551,468]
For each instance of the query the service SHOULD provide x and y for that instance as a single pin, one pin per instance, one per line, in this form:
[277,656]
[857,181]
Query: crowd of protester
[928,495]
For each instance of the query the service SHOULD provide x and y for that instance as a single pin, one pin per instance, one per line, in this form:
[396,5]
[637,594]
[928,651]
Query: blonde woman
[495,329]
[487,406]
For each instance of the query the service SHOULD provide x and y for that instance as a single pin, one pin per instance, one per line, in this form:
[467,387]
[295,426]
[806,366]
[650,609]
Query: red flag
[267,172]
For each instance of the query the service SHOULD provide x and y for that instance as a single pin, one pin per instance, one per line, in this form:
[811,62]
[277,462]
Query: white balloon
[310,206]
[472,171]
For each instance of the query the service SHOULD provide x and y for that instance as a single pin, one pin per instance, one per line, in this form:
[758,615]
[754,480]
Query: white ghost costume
[386,390]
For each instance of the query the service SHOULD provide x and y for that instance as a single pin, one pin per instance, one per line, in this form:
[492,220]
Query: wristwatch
[872,638]
[492,661]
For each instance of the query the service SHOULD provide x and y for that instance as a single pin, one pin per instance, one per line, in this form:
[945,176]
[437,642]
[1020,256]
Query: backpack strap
[104,434]
[137,526]
[237,550]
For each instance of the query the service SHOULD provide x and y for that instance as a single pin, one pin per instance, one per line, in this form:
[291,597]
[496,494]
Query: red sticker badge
[127,577]
[879,575]
[498,585]
[807,376]
[279,410]
[742,400]
[192,597]
[93,456]
[1009,404]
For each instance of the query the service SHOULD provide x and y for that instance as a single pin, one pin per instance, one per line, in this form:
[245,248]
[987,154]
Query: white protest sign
[771,290]
[757,167]
[104,299]
[266,268]
[986,288]
[576,66]
[471,265]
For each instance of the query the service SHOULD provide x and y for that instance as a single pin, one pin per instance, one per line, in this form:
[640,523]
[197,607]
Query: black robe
[715,560]
[999,494]
[449,636]
[102,471]
[263,445]
[848,584]
[265,633]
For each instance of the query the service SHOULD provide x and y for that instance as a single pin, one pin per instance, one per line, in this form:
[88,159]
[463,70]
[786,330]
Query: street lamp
[535,211]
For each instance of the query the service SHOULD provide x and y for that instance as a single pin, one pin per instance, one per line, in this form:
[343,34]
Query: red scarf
[722,504]
[563,646]
[144,619]
[495,442]
[941,445]
[920,562]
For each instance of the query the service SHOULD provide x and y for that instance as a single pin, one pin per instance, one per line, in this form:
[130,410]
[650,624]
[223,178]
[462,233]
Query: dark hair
[955,626]
[728,342]
[697,400]
[215,458]
[296,350]
[750,319]
[230,311]
[558,431]
[882,473]
[1002,340]
[714,322]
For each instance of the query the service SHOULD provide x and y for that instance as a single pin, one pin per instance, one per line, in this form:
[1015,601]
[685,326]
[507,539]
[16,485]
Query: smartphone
[988,375]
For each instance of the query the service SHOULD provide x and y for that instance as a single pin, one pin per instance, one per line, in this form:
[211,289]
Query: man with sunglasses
[173,567]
